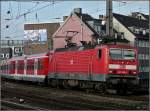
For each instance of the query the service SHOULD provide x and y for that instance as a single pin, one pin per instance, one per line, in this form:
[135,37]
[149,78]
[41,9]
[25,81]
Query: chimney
[135,14]
[65,17]
[78,10]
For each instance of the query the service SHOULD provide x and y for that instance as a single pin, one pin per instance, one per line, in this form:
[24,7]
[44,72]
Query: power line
[31,11]
[20,15]
[124,4]
[35,10]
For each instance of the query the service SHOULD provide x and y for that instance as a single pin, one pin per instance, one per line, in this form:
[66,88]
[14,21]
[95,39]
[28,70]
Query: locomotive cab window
[120,54]
[99,53]
[129,54]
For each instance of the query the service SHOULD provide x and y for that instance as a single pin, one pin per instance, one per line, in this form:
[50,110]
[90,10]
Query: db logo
[71,61]
[122,66]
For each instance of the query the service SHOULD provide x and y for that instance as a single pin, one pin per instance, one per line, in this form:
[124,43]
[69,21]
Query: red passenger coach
[29,68]
[12,67]
[20,66]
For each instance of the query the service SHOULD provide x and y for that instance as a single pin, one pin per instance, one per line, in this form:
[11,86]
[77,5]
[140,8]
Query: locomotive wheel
[121,92]
[46,81]
[54,83]
[82,85]
[122,89]
[65,84]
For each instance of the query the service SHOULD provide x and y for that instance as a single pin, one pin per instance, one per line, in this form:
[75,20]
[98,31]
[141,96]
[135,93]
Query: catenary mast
[109,18]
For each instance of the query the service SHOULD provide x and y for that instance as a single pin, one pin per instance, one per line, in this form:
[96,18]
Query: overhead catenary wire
[35,10]
[11,21]
[120,5]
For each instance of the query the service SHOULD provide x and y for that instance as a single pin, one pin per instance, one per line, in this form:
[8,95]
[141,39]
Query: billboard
[35,35]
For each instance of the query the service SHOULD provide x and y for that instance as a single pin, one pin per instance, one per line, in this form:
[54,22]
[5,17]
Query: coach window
[99,53]
[40,64]
[28,66]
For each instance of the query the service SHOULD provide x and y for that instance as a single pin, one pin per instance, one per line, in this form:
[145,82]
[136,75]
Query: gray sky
[48,11]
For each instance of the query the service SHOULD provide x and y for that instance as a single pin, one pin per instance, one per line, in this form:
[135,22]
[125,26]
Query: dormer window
[137,31]
[140,17]
[144,32]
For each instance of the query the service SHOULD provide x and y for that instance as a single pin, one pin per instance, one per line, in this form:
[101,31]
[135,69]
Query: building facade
[33,46]
[11,48]
[136,30]
[76,28]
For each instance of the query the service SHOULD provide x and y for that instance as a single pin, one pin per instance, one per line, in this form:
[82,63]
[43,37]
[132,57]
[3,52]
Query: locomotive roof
[38,55]
[75,48]
[78,48]
[120,46]
[27,56]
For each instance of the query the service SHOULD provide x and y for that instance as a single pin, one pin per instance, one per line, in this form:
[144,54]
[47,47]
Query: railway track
[134,97]
[57,103]
[52,98]
[10,105]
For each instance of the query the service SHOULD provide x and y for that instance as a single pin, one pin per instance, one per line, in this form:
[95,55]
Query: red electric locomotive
[105,66]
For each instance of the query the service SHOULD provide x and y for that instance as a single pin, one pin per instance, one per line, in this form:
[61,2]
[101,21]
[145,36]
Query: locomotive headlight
[134,72]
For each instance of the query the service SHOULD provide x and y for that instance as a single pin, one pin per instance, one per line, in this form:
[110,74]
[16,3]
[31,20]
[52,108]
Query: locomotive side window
[115,53]
[99,53]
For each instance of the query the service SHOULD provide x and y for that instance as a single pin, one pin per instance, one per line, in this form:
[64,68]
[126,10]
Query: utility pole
[109,18]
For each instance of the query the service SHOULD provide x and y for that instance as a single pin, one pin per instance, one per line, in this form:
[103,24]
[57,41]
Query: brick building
[35,47]
[76,28]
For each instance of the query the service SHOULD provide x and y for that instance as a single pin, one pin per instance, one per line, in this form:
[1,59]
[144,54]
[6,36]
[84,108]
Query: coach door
[25,67]
[35,66]
[16,62]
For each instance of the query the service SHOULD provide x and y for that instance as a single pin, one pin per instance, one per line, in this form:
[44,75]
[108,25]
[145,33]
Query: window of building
[143,44]
[143,56]
[144,69]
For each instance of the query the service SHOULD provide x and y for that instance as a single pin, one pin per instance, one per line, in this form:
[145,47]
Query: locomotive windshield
[127,54]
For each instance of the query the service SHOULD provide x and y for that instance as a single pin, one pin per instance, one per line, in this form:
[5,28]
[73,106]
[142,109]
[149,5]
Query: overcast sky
[49,11]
